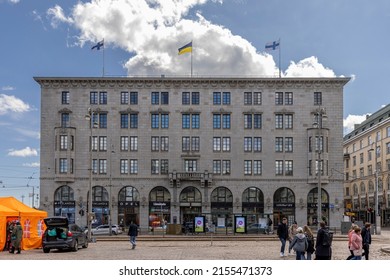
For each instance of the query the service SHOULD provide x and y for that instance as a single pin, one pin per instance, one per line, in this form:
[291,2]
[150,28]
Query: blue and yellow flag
[185,49]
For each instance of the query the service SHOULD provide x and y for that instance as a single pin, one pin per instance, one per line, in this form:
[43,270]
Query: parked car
[256,228]
[61,235]
[105,230]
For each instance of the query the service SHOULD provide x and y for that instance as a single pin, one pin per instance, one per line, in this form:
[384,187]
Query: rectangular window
[185,98]
[217,144]
[155,120]
[103,97]
[124,143]
[133,98]
[247,167]
[63,165]
[185,144]
[226,144]
[65,97]
[94,143]
[195,144]
[216,98]
[124,121]
[93,97]
[190,165]
[318,98]
[257,98]
[63,142]
[257,121]
[133,166]
[102,166]
[279,121]
[133,143]
[155,98]
[257,167]
[247,98]
[185,121]
[164,120]
[288,165]
[279,144]
[226,167]
[247,121]
[226,98]
[278,98]
[247,144]
[155,166]
[94,166]
[195,121]
[226,121]
[155,143]
[288,98]
[288,121]
[124,166]
[217,167]
[279,167]
[65,120]
[288,144]
[103,143]
[257,144]
[103,120]
[164,142]
[216,121]
[164,98]
[133,120]
[164,166]
[124,97]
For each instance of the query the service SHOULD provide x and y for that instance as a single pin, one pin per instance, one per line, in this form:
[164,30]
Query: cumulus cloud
[7,88]
[151,31]
[351,120]
[26,152]
[32,164]
[10,103]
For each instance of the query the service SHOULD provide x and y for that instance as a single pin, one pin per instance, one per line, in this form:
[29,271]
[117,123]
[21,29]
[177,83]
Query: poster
[240,224]
[199,224]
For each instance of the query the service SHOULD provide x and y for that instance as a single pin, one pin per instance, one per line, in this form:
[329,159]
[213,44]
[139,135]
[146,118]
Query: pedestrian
[350,232]
[16,238]
[310,241]
[282,233]
[366,236]
[323,243]
[357,244]
[133,233]
[269,226]
[299,244]
[292,231]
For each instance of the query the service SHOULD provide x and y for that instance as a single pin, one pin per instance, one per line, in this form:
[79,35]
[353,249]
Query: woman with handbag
[356,244]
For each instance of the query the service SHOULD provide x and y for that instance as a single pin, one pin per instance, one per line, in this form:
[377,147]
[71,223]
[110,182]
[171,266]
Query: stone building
[167,149]
[367,166]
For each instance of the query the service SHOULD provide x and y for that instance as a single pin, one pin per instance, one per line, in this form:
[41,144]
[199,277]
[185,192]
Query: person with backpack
[299,244]
[310,241]
[323,243]
[282,233]
[366,236]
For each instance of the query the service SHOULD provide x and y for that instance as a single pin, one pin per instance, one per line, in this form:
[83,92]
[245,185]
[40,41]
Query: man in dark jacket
[282,233]
[366,238]
[323,250]
[133,233]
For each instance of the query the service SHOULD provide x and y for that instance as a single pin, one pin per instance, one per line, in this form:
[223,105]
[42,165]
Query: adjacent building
[162,150]
[367,169]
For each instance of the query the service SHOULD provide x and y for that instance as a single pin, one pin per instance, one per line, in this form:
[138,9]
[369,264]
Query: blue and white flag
[98,45]
[272,45]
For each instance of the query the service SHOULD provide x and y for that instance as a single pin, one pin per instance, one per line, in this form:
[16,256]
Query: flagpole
[103,57]
[192,50]
[280,58]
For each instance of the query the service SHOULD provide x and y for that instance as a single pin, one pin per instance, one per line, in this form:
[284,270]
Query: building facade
[367,169]
[164,150]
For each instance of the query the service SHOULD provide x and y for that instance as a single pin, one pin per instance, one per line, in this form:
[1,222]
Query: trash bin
[173,229]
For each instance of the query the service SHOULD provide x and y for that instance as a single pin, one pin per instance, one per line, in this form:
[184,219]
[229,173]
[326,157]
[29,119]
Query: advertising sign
[199,224]
[240,224]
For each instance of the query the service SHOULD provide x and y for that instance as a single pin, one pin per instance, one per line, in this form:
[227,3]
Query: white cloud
[14,1]
[10,103]
[151,31]
[26,152]
[351,120]
[32,164]
[6,88]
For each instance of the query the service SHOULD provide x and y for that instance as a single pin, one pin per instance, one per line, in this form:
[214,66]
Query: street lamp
[90,117]
[110,200]
[377,216]
[320,115]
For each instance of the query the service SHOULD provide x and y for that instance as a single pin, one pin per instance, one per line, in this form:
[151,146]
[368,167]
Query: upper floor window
[131,97]
[124,97]
[283,121]
[65,97]
[188,98]
[160,120]
[102,97]
[226,98]
[156,98]
[216,98]
[278,98]
[98,97]
[247,98]
[318,98]
[190,121]
[288,98]
[65,120]
[221,121]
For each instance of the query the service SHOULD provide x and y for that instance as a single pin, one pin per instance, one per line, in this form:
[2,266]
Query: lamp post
[320,116]
[90,117]
[110,200]
[377,216]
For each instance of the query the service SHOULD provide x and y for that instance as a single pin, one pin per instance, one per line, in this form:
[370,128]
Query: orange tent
[5,214]
[31,220]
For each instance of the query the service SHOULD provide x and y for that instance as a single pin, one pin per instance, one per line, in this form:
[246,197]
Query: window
[388,148]
[190,121]
[195,121]
[217,167]
[226,98]
[63,165]
[279,167]
[103,120]
[102,166]
[257,144]
[226,167]
[278,121]
[185,144]
[257,121]
[216,98]
[133,98]
[124,121]
[103,97]
[65,120]
[185,98]
[65,97]
[317,98]
[94,143]
[247,167]
[156,120]
[279,144]
[247,144]
[195,144]
[217,144]
[155,141]
[288,98]
[133,143]
[155,166]
[283,121]
[361,158]
[247,98]
[164,121]
[133,120]
[216,121]
[164,141]
[63,142]
[124,166]
[190,165]
[248,121]
[361,171]
[164,166]
[124,143]
[195,98]
[257,98]
[133,166]
[124,97]
[94,166]
[288,144]
[185,121]
[288,121]
[155,98]
[93,97]
[288,165]
[257,167]
[226,121]
[226,144]
[164,98]
[278,98]
[103,143]
[388,131]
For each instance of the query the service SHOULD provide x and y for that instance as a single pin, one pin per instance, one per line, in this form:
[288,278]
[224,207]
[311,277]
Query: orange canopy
[31,220]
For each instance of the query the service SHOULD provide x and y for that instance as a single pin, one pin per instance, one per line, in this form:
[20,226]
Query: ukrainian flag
[185,49]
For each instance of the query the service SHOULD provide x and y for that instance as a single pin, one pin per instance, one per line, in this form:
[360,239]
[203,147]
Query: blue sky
[54,38]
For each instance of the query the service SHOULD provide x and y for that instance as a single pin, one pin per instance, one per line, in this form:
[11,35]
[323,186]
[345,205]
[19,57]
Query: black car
[61,235]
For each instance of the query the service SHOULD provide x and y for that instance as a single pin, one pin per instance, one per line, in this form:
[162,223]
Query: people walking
[269,225]
[299,244]
[357,244]
[282,232]
[133,233]
[350,232]
[323,243]
[366,236]
[16,238]
[292,231]
[310,241]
